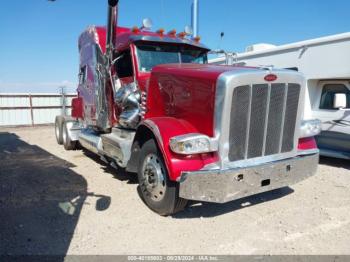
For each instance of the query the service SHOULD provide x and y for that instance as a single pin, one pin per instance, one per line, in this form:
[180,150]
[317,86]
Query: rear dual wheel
[68,144]
[158,192]
[58,129]
[62,134]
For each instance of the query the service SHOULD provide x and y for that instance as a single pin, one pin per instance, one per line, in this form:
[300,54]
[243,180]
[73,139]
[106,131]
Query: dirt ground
[58,202]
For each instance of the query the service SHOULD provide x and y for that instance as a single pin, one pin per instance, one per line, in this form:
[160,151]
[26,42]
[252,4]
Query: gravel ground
[58,202]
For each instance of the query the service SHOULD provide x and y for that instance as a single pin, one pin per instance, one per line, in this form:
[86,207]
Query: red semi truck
[148,102]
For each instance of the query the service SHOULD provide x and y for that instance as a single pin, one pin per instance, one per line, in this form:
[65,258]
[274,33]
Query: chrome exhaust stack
[106,74]
[194,17]
[111,34]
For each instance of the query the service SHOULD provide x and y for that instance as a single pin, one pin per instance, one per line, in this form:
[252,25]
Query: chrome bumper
[222,186]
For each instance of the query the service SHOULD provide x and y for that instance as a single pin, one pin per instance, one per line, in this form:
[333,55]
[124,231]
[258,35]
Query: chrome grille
[290,117]
[257,120]
[263,119]
[240,114]
[274,127]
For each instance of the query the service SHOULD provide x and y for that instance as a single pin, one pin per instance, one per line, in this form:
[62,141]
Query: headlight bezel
[310,128]
[193,143]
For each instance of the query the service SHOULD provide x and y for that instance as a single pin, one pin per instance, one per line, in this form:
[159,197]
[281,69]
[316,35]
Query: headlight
[310,128]
[193,144]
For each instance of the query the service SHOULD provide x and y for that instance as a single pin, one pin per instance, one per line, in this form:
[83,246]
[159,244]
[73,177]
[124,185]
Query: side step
[117,145]
[90,140]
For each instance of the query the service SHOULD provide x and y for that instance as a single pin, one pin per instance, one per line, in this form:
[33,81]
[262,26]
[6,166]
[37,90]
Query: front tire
[67,142]
[158,192]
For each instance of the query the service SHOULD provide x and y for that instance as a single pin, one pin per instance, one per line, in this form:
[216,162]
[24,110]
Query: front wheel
[158,192]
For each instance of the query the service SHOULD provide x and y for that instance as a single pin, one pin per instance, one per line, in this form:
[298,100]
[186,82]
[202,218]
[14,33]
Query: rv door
[333,110]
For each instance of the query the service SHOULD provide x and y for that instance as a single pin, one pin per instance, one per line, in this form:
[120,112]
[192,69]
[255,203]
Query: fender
[164,128]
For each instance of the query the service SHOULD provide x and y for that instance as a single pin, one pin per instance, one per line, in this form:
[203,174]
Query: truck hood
[203,71]
[187,92]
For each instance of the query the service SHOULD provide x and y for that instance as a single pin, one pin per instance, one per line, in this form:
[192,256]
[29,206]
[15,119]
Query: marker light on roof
[197,39]
[181,35]
[172,32]
[135,29]
[161,31]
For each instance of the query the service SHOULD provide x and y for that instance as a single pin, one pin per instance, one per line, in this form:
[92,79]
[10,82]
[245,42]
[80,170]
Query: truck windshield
[150,55]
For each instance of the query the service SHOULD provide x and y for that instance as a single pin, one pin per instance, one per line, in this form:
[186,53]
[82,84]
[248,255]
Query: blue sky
[38,38]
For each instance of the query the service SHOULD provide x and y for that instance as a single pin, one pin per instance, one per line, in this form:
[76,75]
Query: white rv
[326,64]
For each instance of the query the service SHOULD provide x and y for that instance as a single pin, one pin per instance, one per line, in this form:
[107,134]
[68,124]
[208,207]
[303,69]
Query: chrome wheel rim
[57,131]
[153,176]
[64,135]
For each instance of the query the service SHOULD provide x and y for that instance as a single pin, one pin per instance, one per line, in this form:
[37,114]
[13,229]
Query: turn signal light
[307,143]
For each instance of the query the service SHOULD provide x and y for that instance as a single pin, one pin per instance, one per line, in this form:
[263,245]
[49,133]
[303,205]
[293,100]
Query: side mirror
[339,101]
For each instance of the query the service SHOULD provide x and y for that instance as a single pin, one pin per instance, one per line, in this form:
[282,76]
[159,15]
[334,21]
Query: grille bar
[239,132]
[276,119]
[266,118]
[285,96]
[248,123]
[290,117]
[263,120]
[257,120]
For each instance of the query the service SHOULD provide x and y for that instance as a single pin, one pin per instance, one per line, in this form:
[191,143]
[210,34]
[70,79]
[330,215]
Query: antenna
[222,34]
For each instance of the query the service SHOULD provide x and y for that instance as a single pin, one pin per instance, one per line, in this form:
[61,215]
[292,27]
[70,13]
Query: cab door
[335,135]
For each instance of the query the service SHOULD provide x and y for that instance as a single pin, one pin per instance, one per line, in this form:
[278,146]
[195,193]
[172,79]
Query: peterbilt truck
[149,102]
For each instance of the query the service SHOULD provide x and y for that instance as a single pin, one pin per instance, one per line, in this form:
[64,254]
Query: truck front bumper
[221,186]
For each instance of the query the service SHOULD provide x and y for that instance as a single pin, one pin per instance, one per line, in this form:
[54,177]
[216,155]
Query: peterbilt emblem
[270,78]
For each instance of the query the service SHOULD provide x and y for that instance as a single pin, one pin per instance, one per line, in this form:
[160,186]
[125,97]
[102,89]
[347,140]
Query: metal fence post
[31,109]
[63,100]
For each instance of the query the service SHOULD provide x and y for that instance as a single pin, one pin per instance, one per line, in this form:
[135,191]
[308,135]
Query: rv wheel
[158,192]
[58,130]
[67,142]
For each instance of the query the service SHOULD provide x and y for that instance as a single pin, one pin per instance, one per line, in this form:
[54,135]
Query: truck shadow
[119,173]
[335,162]
[204,209]
[40,200]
